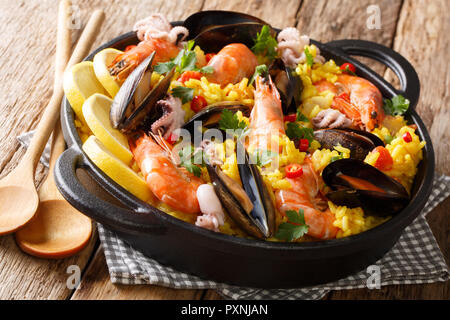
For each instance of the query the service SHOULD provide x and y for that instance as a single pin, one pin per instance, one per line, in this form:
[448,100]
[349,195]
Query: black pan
[239,261]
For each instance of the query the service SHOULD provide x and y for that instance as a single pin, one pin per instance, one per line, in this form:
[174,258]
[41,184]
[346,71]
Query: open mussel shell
[250,206]
[203,20]
[360,143]
[215,38]
[358,184]
[210,116]
[127,114]
[289,85]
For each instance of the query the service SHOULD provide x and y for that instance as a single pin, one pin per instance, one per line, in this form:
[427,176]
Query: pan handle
[409,80]
[136,220]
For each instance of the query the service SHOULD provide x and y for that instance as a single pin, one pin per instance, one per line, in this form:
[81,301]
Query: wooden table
[416,29]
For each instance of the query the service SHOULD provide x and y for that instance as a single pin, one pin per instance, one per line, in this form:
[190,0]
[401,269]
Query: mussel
[355,183]
[210,116]
[360,143]
[250,206]
[215,38]
[132,105]
[203,20]
[289,85]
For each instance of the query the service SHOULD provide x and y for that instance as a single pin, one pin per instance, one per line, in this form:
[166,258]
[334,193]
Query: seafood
[132,104]
[170,184]
[266,118]
[358,99]
[172,118]
[304,195]
[234,62]
[331,118]
[357,184]
[156,35]
[359,143]
[291,46]
[213,215]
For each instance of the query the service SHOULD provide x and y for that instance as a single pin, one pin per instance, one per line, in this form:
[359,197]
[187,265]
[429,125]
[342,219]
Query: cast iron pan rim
[401,220]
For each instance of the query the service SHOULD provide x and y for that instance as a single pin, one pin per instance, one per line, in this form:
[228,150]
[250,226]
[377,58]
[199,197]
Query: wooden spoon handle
[51,113]
[63,42]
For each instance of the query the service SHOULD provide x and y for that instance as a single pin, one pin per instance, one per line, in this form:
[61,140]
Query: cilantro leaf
[309,57]
[296,131]
[207,69]
[396,106]
[185,94]
[301,117]
[260,70]
[263,157]
[294,228]
[265,44]
[229,120]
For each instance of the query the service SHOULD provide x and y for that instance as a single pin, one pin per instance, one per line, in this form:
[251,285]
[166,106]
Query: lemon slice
[96,113]
[116,169]
[79,84]
[101,62]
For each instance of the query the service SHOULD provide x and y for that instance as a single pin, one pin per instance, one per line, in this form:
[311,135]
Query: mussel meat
[215,38]
[289,85]
[250,206]
[360,143]
[210,115]
[132,105]
[203,20]
[355,183]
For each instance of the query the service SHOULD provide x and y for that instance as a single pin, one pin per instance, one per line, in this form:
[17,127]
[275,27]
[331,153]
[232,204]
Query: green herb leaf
[229,120]
[296,131]
[396,106]
[165,67]
[301,117]
[186,157]
[334,158]
[347,70]
[265,44]
[309,57]
[207,69]
[388,139]
[260,70]
[185,94]
[295,227]
[263,157]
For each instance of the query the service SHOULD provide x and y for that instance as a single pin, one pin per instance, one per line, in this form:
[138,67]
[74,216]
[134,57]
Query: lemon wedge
[116,169]
[101,62]
[96,113]
[79,84]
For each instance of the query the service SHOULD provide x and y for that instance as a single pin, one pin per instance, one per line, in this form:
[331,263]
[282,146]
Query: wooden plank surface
[414,28]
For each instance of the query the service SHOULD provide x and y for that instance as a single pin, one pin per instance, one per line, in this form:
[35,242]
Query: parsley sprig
[295,227]
[260,70]
[184,61]
[265,45]
[263,157]
[188,159]
[396,106]
[230,121]
[296,131]
[185,94]
[309,57]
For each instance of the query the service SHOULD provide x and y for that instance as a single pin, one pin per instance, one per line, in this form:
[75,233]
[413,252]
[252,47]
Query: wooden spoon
[18,197]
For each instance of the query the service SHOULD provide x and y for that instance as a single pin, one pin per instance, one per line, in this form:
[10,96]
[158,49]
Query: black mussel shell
[289,85]
[210,116]
[214,39]
[360,143]
[386,197]
[203,20]
[123,106]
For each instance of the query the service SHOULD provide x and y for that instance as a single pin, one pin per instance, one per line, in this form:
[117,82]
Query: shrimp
[231,64]
[170,184]
[127,61]
[155,34]
[266,118]
[304,195]
[363,103]
[266,121]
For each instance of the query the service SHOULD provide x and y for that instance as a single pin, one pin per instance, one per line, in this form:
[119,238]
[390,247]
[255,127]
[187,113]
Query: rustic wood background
[416,29]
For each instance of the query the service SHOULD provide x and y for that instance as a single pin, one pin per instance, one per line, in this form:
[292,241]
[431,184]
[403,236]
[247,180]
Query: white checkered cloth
[414,259]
